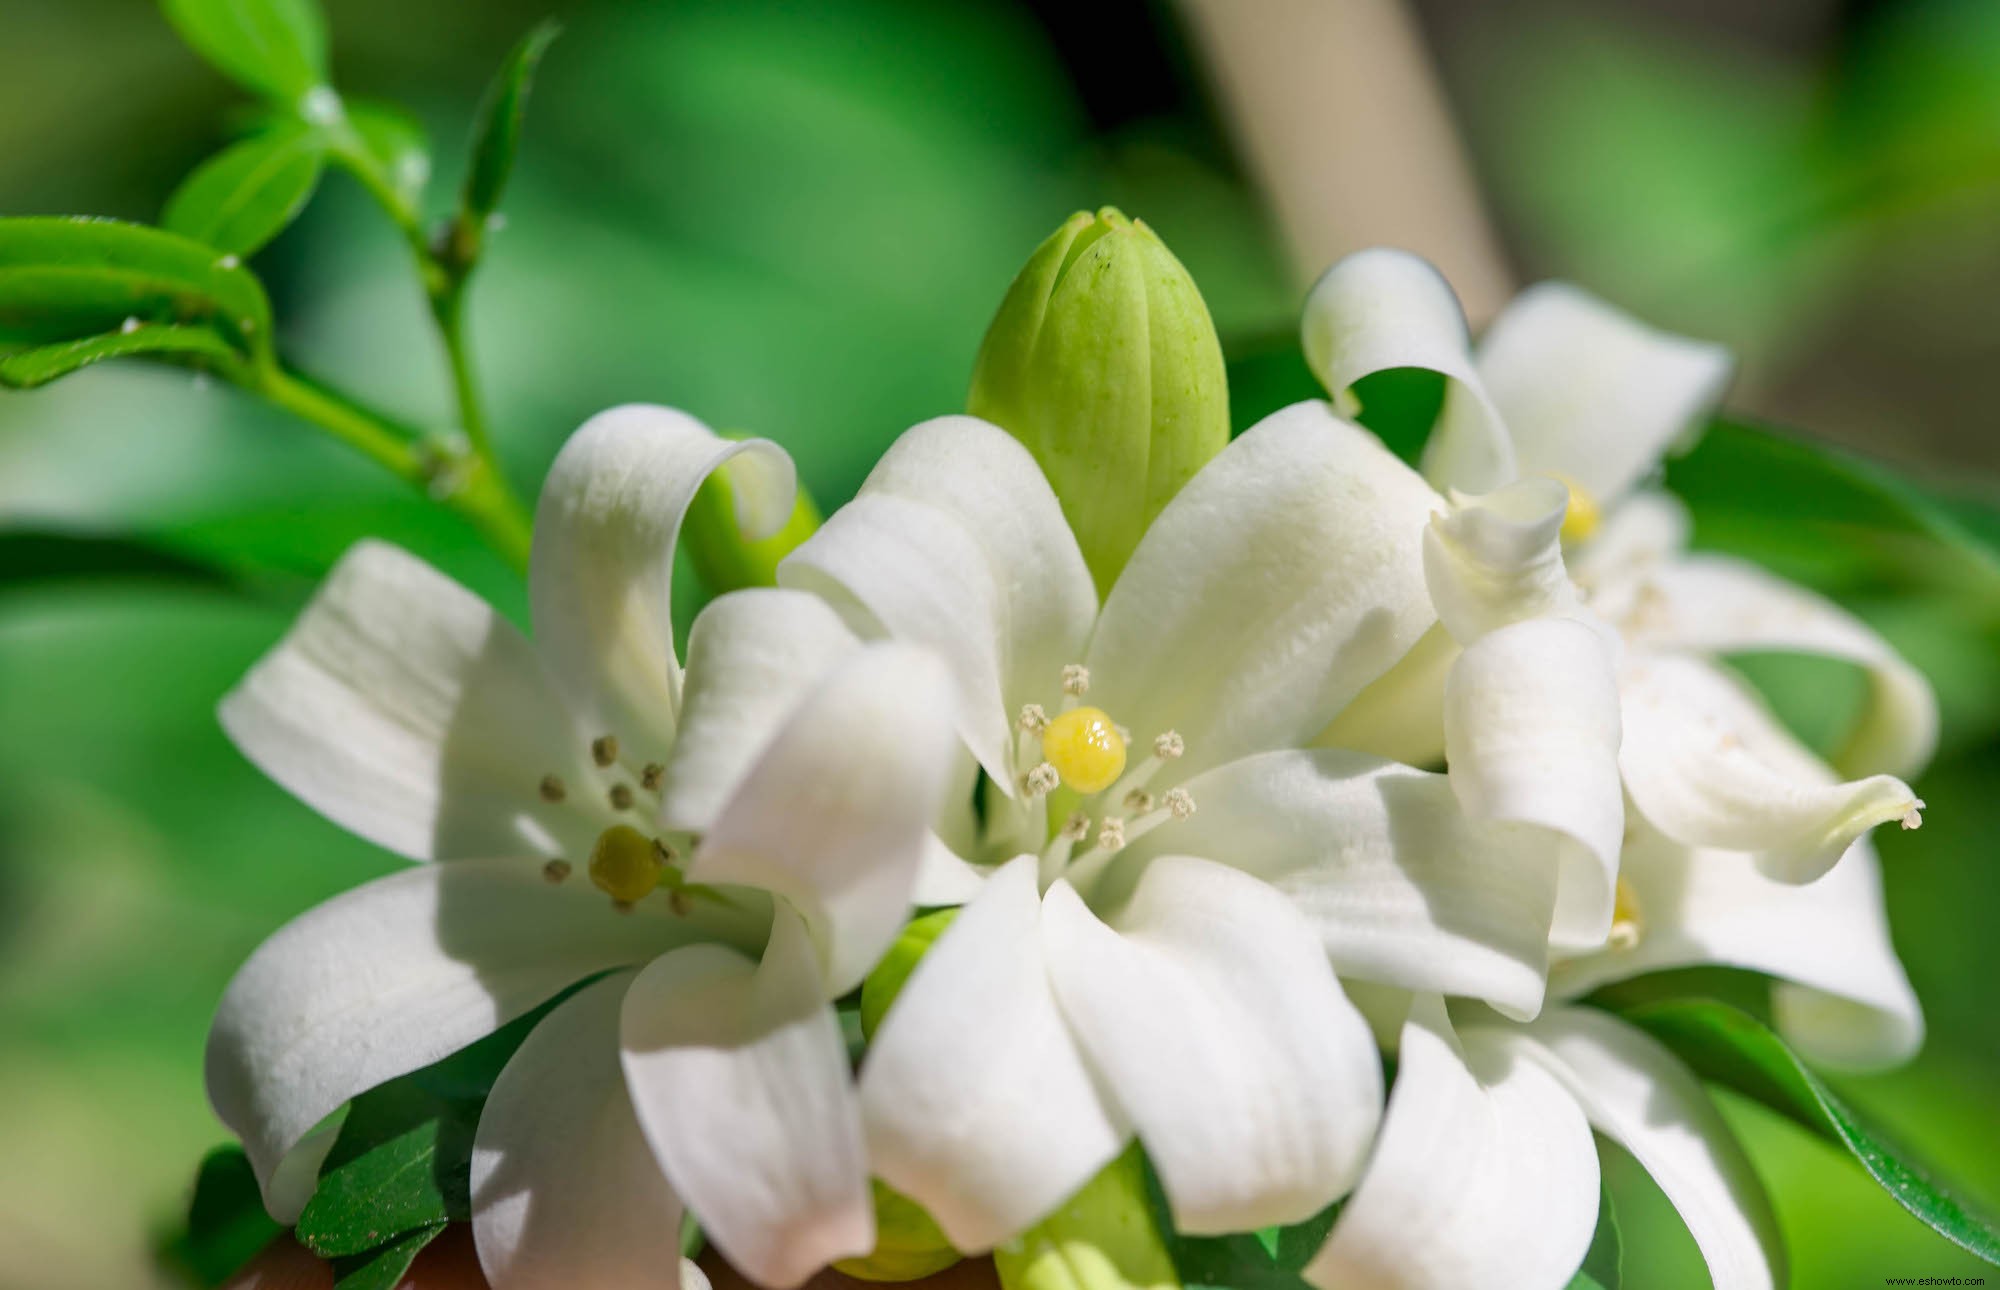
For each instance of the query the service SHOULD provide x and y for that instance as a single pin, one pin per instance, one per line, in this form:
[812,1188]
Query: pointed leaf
[67,279]
[197,346]
[498,135]
[248,193]
[275,48]
[226,1223]
[1729,1047]
[1603,1262]
[401,1164]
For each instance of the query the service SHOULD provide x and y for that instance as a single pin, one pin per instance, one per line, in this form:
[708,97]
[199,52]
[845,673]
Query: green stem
[468,484]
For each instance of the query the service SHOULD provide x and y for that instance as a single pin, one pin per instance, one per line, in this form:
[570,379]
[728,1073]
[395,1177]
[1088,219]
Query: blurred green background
[795,219]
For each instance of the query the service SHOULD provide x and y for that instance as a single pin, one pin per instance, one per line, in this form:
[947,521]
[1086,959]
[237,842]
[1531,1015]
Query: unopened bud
[1103,361]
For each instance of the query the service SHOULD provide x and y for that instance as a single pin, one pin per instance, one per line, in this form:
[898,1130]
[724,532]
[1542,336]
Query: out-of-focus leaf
[197,346]
[396,144]
[1729,1047]
[32,556]
[498,135]
[275,48]
[382,1268]
[1108,1236]
[248,193]
[1270,1258]
[68,279]
[226,1222]
[1603,1262]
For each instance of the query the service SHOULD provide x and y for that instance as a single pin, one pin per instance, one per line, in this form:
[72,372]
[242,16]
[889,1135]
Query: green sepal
[723,558]
[1103,361]
[1102,1238]
[248,193]
[383,1267]
[273,48]
[908,1242]
[883,984]
[1727,1046]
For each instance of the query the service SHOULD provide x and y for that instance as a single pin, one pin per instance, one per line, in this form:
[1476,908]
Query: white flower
[1158,963]
[1743,850]
[572,792]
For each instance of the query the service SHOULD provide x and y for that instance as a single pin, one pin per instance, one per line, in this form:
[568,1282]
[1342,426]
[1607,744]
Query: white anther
[1075,679]
[1077,827]
[1623,936]
[1138,801]
[556,870]
[621,797]
[1111,835]
[1034,718]
[1042,779]
[1169,745]
[553,789]
[652,776]
[1180,803]
[1913,818]
[604,749]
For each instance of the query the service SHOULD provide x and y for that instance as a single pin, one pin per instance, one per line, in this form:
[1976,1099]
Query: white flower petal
[1721,605]
[1484,1175]
[1383,308]
[1400,715]
[1497,559]
[1277,585]
[957,542]
[739,1077]
[1532,737]
[1709,766]
[1633,540]
[405,710]
[400,972]
[1636,1092]
[753,656]
[944,878]
[1842,997]
[835,815]
[976,1101]
[1592,394]
[1400,886]
[602,568]
[1209,1007]
[565,1191]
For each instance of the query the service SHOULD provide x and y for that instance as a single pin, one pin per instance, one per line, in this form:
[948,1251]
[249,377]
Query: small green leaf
[1729,1047]
[400,1164]
[395,144]
[382,1268]
[274,48]
[1603,1262]
[248,193]
[1271,1258]
[226,1223]
[198,346]
[495,140]
[69,279]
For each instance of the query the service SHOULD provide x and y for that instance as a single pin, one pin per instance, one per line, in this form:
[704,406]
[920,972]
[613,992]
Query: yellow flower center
[1085,748]
[1582,517]
[625,864]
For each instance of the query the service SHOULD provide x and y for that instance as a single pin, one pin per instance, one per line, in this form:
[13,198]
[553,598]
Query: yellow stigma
[1582,517]
[624,864]
[1085,748]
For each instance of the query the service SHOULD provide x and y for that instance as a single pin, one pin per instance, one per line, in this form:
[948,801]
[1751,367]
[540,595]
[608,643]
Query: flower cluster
[1214,770]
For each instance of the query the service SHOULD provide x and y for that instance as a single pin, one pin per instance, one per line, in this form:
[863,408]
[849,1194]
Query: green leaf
[1603,1262]
[1729,1047]
[399,1165]
[274,48]
[382,1268]
[1271,1258]
[1108,1236]
[226,1222]
[71,279]
[248,193]
[196,346]
[396,146]
[29,556]
[498,134]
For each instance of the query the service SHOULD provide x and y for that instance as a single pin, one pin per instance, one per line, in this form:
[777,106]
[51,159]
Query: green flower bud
[1104,362]
[1102,1238]
[723,559]
[886,981]
[908,1242]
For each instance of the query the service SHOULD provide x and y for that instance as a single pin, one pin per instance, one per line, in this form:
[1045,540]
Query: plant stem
[467,483]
